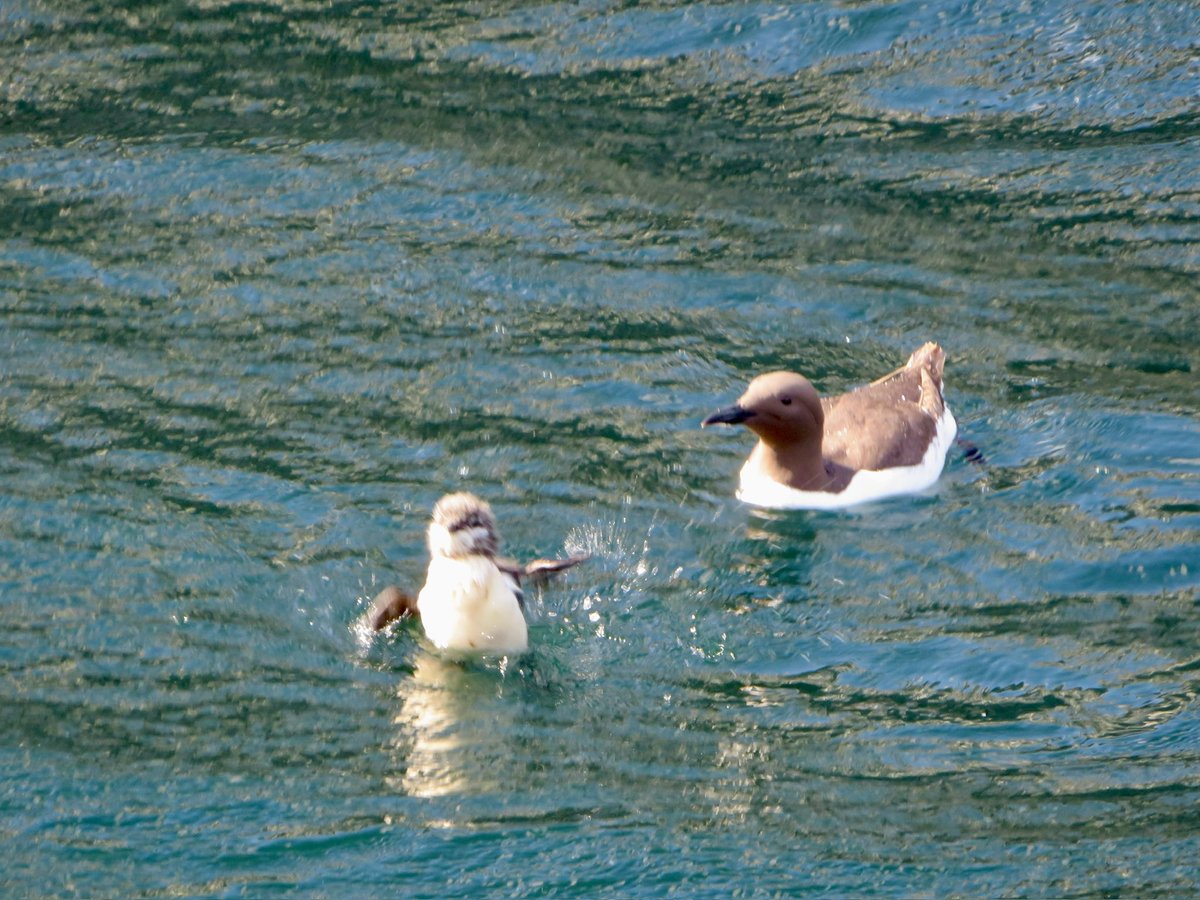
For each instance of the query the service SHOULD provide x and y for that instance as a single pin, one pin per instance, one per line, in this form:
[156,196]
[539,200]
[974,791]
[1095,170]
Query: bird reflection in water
[455,729]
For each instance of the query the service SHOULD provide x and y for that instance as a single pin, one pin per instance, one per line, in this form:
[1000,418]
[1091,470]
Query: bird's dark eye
[786,401]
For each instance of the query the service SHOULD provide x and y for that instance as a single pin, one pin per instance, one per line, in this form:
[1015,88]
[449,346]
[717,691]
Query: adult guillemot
[886,438]
[472,598]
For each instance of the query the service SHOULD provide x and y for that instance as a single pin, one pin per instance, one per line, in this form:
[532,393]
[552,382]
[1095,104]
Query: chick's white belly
[469,604]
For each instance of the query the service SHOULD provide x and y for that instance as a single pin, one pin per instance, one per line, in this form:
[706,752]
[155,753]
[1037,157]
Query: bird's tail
[931,358]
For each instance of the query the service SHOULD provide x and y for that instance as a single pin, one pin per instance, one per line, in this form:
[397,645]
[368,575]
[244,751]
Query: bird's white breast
[468,604]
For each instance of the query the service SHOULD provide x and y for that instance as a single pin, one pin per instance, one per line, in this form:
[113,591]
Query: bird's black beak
[730,415]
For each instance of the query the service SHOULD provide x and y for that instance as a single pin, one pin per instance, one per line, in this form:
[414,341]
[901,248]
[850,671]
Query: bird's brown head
[780,407]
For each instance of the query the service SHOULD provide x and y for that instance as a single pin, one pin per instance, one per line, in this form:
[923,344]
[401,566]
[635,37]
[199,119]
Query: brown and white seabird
[886,438]
[472,599]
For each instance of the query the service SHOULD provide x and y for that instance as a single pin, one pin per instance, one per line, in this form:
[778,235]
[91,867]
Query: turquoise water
[275,276]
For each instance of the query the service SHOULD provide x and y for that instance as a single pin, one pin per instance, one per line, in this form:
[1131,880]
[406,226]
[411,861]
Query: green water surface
[274,276]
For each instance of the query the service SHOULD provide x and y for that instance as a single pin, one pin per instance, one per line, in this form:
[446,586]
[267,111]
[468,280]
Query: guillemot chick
[472,598]
[886,438]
